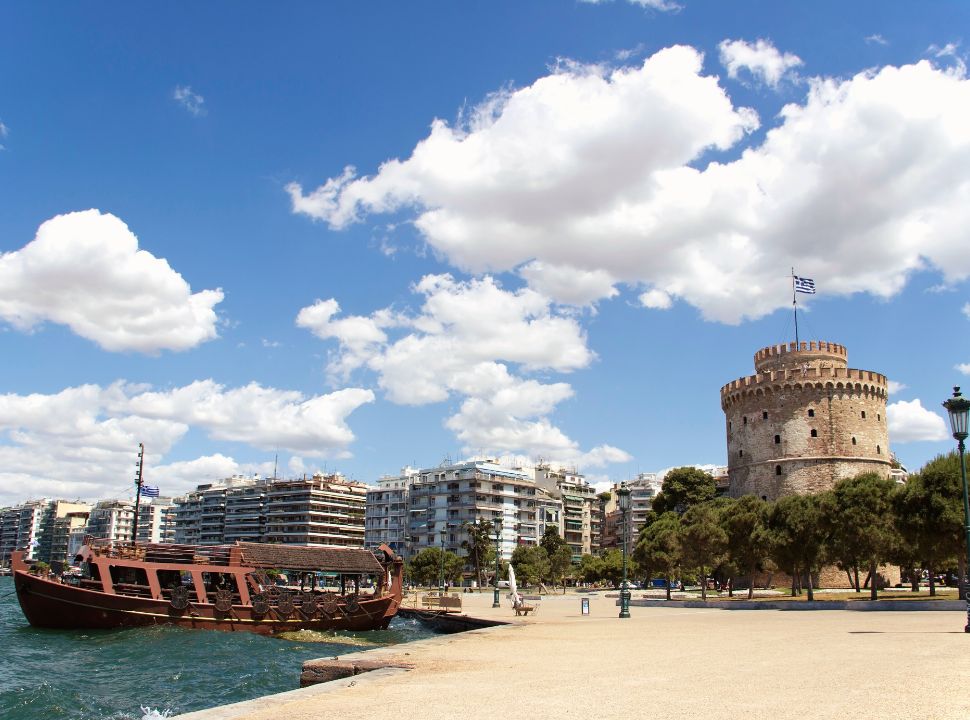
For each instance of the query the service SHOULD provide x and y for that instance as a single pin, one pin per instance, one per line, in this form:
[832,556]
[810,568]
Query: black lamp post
[623,493]
[959,407]
[498,554]
[441,577]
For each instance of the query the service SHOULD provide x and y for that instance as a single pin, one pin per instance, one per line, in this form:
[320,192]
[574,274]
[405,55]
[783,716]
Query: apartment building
[156,521]
[386,512]
[580,519]
[322,510]
[112,520]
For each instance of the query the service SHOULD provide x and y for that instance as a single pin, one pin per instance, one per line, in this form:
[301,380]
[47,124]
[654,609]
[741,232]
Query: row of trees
[862,523]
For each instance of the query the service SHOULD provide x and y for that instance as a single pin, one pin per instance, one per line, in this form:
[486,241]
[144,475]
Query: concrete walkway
[678,662]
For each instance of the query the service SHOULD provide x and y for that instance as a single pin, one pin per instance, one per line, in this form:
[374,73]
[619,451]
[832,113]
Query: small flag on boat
[804,285]
[149,491]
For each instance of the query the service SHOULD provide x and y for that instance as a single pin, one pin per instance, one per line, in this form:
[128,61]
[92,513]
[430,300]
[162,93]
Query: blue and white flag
[804,285]
[149,491]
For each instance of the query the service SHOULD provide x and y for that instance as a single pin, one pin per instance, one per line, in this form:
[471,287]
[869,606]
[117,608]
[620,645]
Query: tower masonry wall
[805,423]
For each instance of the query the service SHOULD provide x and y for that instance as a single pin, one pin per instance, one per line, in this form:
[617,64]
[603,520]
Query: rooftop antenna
[276,460]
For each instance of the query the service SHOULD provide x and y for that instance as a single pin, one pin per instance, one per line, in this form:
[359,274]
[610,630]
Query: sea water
[155,671]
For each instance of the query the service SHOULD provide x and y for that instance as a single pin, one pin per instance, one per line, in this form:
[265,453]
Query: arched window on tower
[740,453]
[777,469]
[863,414]
[744,420]
[777,439]
[811,412]
[853,441]
[878,450]
[764,415]
[814,432]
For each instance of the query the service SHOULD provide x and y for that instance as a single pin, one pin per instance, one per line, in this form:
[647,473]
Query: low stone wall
[889,605]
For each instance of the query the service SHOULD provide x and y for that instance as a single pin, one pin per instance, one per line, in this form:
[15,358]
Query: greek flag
[149,491]
[804,285]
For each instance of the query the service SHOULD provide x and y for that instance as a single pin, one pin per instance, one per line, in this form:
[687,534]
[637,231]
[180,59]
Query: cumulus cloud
[861,183]
[910,422]
[876,39]
[477,341]
[84,270]
[761,59]
[191,101]
[895,387]
[4,131]
[663,5]
[964,368]
[81,441]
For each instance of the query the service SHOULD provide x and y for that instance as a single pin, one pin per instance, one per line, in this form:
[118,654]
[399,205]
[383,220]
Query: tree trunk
[914,579]
[857,588]
[932,574]
[668,587]
[731,587]
[848,574]
[811,594]
[874,576]
[751,586]
[794,574]
[703,584]
[868,578]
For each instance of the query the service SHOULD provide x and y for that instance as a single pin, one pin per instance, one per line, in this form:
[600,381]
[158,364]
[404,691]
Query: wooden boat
[215,587]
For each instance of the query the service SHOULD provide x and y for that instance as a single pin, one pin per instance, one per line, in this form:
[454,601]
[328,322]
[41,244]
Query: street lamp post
[441,576]
[959,407]
[623,493]
[498,555]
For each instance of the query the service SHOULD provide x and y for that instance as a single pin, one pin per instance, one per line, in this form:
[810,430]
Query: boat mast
[138,481]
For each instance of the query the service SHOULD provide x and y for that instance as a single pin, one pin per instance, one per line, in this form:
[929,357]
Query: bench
[529,603]
[433,601]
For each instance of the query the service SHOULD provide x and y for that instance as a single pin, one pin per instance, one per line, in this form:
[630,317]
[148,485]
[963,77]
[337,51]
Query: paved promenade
[673,662]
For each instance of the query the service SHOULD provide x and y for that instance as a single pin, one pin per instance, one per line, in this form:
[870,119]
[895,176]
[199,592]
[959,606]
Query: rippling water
[119,674]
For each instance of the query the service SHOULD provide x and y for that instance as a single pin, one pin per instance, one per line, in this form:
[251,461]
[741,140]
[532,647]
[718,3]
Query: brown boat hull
[52,604]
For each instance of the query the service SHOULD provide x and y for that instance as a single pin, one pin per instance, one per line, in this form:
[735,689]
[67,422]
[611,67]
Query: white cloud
[895,387]
[964,368]
[656,299]
[81,442]
[859,185]
[761,59]
[191,101]
[876,39]
[4,131]
[663,5]
[463,342]
[84,270]
[910,422]
[568,285]
[966,310]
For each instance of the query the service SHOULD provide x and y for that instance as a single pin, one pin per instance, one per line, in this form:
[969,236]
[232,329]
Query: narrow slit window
[777,439]
[811,412]
[777,469]
[764,415]
[863,414]
[814,432]
[853,441]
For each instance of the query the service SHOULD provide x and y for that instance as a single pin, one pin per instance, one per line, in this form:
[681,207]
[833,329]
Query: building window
[878,450]
[814,432]
[764,415]
[730,426]
[863,414]
[777,439]
[811,412]
[744,420]
[740,453]
[853,441]
[879,416]
[777,469]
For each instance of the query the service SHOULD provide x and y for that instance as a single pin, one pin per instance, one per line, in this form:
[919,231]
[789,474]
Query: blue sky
[363,235]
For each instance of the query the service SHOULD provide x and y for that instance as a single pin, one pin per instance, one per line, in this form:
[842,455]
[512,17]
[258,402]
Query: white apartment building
[112,520]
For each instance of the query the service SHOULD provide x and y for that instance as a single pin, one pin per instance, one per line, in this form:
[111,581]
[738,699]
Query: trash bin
[585,605]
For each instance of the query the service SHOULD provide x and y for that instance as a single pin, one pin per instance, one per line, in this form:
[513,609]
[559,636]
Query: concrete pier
[675,662]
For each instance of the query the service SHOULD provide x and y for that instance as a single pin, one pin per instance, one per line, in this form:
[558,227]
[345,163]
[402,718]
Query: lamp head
[623,493]
[958,407]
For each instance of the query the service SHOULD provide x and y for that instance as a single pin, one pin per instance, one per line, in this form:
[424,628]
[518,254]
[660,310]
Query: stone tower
[803,422]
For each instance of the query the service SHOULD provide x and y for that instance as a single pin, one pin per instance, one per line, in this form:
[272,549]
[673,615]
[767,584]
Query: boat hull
[51,604]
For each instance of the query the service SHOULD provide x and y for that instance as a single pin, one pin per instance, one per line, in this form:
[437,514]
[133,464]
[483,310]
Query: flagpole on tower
[138,482]
[794,305]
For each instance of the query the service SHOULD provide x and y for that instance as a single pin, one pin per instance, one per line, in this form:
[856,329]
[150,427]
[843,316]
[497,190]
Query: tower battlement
[816,354]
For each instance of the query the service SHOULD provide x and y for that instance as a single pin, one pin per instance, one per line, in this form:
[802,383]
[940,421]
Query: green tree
[929,514]
[426,566]
[682,488]
[479,546]
[796,538]
[561,566]
[611,568]
[657,552]
[531,564]
[703,541]
[590,568]
[861,521]
[745,524]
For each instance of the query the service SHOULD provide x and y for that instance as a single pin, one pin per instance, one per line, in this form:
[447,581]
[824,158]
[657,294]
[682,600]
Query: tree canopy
[682,488]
